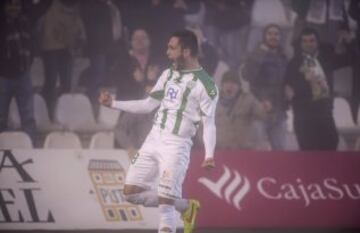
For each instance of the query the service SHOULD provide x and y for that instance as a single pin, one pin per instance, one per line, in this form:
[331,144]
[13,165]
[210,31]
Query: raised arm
[139,106]
[133,106]
[136,106]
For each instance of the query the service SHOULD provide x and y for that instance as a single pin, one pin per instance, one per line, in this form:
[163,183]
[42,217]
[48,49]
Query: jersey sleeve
[208,101]
[158,90]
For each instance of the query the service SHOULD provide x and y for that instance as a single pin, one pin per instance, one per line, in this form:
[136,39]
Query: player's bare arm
[209,138]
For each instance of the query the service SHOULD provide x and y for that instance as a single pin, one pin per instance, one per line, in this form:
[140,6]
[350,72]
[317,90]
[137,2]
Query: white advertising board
[68,189]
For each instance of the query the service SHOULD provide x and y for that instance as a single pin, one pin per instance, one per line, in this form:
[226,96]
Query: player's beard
[179,63]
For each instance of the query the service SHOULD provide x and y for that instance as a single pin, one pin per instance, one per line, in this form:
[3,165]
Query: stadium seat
[74,112]
[357,144]
[291,142]
[15,140]
[14,117]
[37,73]
[102,140]
[62,140]
[41,115]
[108,117]
[342,145]
[342,113]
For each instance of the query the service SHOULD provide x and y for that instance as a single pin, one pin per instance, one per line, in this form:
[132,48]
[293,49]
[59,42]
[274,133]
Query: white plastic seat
[14,116]
[108,117]
[342,145]
[41,115]
[342,113]
[74,112]
[62,140]
[343,118]
[291,142]
[357,144]
[102,140]
[15,140]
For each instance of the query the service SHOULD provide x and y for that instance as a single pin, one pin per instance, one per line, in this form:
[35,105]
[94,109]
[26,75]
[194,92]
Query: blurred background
[288,72]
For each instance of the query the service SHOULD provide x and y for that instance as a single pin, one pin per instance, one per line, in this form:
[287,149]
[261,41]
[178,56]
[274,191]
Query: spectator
[103,29]
[265,70]
[281,14]
[137,68]
[132,128]
[324,16]
[235,115]
[208,55]
[15,62]
[309,86]
[354,12]
[158,17]
[62,30]
[226,26]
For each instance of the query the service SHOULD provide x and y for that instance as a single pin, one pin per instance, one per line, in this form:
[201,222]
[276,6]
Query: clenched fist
[105,98]
[208,164]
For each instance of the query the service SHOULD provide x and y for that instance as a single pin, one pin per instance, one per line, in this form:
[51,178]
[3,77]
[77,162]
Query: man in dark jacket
[354,12]
[309,86]
[15,62]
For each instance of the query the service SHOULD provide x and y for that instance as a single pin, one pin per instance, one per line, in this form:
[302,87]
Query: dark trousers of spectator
[57,64]
[355,92]
[21,89]
[316,133]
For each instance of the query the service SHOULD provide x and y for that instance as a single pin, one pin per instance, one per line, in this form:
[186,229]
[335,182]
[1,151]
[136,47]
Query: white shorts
[163,161]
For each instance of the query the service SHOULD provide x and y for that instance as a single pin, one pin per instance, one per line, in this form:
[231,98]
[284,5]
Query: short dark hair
[231,76]
[187,40]
[304,32]
[271,25]
[309,31]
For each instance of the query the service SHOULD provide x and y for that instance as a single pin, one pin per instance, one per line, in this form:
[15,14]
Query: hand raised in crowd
[208,164]
[289,92]
[153,72]
[139,75]
[105,98]
[344,36]
[267,105]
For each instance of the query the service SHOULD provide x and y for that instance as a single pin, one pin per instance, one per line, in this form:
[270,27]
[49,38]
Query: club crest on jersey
[172,93]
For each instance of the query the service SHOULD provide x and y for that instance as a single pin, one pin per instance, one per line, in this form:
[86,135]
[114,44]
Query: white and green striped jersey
[185,96]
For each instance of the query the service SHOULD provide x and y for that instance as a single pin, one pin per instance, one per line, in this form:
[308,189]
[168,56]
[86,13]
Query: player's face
[309,44]
[175,53]
[272,37]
